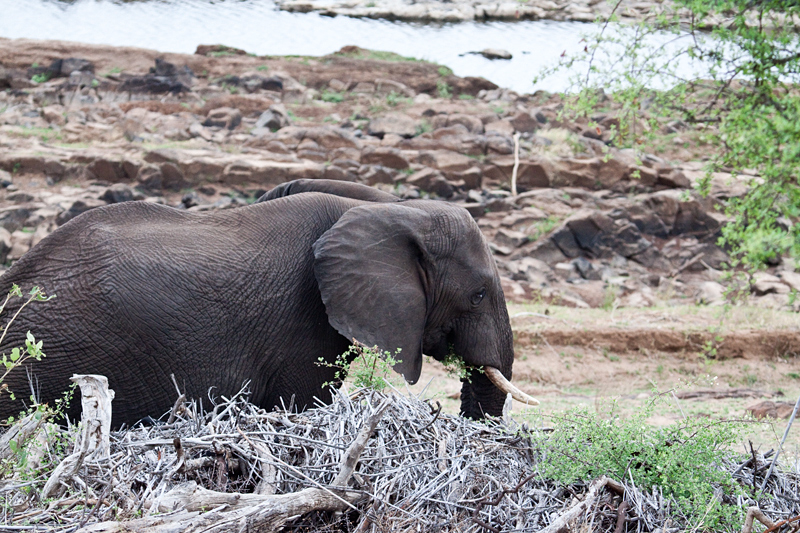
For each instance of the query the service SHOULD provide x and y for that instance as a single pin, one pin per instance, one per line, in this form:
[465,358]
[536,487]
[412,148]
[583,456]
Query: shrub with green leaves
[18,356]
[41,78]
[393,99]
[543,227]
[456,367]
[367,367]
[683,460]
[443,89]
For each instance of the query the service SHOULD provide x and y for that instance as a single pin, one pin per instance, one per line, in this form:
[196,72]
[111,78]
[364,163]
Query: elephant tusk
[499,381]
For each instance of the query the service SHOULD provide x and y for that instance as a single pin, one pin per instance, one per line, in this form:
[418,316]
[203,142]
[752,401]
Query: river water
[257,26]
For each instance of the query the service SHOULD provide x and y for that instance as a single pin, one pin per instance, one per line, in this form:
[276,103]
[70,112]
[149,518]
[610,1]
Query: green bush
[683,460]
[393,99]
[18,356]
[40,78]
[443,89]
[367,367]
[331,96]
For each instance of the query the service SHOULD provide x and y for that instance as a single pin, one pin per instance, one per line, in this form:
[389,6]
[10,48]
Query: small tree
[741,97]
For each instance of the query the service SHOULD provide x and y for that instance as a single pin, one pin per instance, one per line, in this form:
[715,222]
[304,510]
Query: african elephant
[260,293]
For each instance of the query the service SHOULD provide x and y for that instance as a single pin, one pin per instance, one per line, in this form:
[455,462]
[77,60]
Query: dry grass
[567,376]
[683,317]
[563,143]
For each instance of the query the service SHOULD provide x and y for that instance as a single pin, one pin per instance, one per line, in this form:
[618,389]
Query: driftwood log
[583,507]
[96,400]
[232,513]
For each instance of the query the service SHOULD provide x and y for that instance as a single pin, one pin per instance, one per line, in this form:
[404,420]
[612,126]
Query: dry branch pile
[367,463]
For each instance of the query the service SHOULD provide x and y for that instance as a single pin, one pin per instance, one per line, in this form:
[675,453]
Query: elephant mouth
[499,381]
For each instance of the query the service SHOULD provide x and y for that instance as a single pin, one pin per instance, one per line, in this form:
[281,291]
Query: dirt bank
[753,344]
[620,360]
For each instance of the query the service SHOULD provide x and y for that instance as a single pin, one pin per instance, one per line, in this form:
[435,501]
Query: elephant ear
[368,270]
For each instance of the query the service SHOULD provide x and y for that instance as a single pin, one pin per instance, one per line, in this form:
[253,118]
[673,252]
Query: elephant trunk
[484,393]
[480,398]
[488,345]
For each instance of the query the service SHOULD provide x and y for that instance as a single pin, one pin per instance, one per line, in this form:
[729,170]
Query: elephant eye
[478,296]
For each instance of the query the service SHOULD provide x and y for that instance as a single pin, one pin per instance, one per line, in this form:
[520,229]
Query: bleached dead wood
[755,513]
[39,446]
[95,431]
[235,512]
[65,470]
[516,165]
[268,472]
[20,432]
[352,454]
[422,470]
[686,265]
[562,522]
[783,440]
[244,513]
[96,400]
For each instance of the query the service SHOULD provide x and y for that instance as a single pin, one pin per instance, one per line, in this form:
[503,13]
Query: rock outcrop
[590,224]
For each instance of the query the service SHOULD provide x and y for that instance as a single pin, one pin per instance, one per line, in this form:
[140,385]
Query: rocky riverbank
[592,226]
[481,10]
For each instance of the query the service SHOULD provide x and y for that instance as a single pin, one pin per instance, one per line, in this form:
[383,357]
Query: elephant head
[419,276]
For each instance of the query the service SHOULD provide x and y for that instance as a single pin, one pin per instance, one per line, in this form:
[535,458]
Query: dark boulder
[71,64]
[78,207]
[150,84]
[273,118]
[565,240]
[62,68]
[13,218]
[253,83]
[164,77]
[692,218]
[118,193]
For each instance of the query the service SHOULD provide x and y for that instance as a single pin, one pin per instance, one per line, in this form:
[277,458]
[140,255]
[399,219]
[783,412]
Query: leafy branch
[32,348]
[369,367]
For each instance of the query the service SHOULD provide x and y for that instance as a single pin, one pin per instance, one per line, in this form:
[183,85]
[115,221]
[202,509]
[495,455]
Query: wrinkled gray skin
[259,293]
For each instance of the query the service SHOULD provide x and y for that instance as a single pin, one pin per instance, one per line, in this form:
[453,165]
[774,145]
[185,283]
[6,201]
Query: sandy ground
[565,375]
